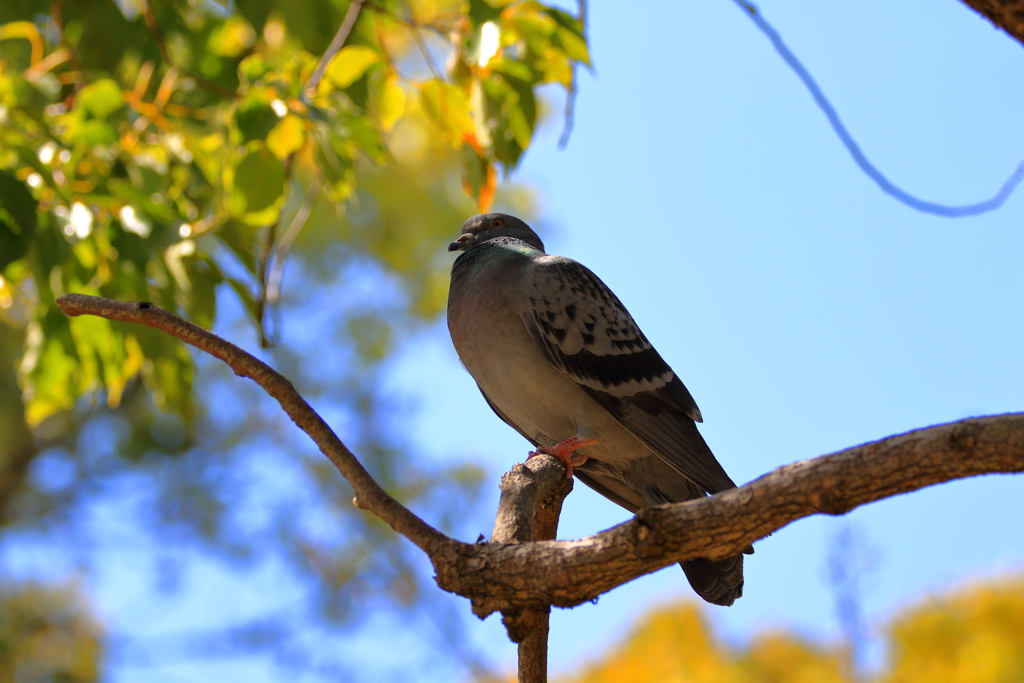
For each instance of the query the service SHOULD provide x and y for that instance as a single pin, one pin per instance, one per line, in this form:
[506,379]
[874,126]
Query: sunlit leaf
[231,38]
[511,114]
[448,107]
[350,63]
[287,136]
[390,102]
[100,98]
[51,372]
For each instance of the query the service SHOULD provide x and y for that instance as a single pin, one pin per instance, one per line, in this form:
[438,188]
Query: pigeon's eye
[497,223]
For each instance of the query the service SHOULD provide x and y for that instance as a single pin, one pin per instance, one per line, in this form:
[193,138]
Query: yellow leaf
[448,107]
[129,368]
[351,63]
[231,38]
[287,136]
[391,102]
[52,383]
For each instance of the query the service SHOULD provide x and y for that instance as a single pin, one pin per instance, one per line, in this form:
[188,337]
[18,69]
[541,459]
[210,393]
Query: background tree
[970,635]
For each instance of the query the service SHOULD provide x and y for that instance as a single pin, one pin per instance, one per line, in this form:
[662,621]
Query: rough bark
[510,577]
[1006,14]
[568,573]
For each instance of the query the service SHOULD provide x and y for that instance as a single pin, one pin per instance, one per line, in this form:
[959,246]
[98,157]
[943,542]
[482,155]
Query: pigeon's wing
[586,332]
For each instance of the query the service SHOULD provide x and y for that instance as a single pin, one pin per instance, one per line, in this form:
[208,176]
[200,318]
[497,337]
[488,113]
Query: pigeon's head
[487,226]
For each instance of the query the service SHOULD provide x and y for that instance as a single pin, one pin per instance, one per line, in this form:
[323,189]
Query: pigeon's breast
[493,343]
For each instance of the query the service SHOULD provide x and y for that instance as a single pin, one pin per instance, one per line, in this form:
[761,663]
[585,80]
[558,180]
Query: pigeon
[560,360]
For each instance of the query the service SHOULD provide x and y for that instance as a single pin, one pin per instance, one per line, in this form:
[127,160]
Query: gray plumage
[557,356]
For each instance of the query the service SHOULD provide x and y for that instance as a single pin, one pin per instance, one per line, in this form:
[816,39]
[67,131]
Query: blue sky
[806,310]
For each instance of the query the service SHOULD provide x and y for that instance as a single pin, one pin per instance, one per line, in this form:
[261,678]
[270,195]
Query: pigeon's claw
[565,452]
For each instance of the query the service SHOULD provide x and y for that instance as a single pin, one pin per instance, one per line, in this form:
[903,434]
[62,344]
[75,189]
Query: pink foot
[564,452]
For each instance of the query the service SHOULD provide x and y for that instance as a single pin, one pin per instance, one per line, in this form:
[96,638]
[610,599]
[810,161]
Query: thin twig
[414,29]
[570,92]
[263,262]
[872,172]
[291,233]
[57,15]
[336,44]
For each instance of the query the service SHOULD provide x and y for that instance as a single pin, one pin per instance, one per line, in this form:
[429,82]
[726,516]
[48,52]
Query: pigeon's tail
[719,582]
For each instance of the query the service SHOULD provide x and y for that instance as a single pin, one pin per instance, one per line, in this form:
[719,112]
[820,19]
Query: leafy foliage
[174,152]
[677,644]
[47,634]
[969,636]
[136,144]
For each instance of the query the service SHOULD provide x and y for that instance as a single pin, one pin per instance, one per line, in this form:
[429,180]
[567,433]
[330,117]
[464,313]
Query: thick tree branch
[1006,14]
[568,573]
[513,576]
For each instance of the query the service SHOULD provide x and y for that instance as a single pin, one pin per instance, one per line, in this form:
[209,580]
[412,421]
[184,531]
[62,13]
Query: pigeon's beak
[459,243]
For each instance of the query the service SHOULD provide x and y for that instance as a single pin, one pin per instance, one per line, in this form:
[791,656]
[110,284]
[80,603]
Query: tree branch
[513,576]
[369,495]
[949,211]
[568,573]
[1006,14]
[347,24]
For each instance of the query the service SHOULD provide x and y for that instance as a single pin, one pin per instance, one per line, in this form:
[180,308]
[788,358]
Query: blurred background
[160,520]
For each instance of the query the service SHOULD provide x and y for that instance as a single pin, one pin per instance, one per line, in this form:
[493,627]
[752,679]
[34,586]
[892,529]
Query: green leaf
[259,182]
[204,276]
[481,11]
[511,108]
[170,371]
[93,132]
[351,63]
[253,68]
[364,134]
[101,98]
[255,118]
[231,38]
[17,219]
[574,46]
[240,239]
[53,371]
